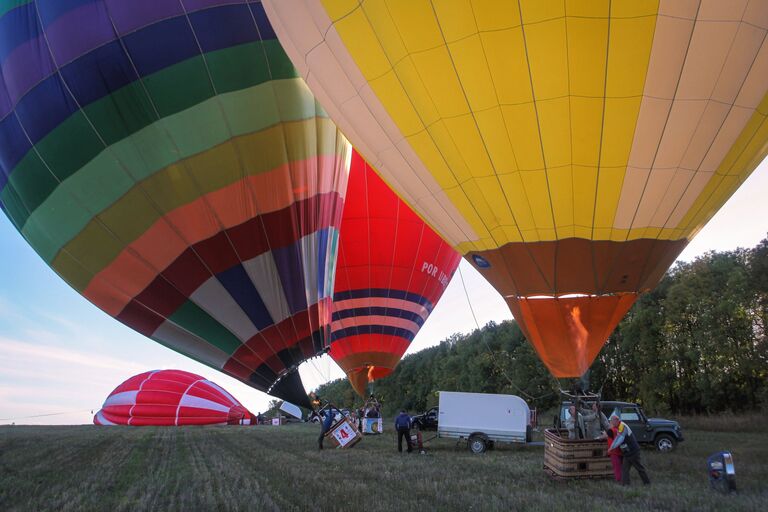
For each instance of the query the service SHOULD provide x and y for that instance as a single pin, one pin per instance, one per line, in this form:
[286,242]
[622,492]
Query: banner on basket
[344,433]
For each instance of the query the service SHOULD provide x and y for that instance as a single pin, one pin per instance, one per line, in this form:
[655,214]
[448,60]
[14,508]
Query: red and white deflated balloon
[171,397]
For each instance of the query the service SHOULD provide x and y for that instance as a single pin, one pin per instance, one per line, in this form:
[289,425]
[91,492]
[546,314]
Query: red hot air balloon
[392,269]
[168,398]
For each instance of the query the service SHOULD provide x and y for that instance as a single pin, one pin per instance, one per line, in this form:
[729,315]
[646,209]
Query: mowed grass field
[259,468]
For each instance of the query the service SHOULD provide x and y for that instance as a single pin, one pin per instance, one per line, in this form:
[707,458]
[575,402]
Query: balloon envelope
[166,160]
[171,397]
[391,271]
[570,150]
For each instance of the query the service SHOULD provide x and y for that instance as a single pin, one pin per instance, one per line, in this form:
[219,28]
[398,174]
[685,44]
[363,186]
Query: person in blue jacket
[328,415]
[403,427]
[626,441]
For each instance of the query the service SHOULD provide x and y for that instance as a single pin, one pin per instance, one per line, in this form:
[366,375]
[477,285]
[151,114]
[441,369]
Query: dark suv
[426,420]
[657,432]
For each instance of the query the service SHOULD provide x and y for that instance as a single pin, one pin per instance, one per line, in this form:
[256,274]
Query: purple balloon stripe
[135,14]
[67,38]
[5,108]
[31,63]
[197,5]
[25,67]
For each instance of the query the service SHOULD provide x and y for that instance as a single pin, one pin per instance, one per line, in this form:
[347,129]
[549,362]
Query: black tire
[664,443]
[477,444]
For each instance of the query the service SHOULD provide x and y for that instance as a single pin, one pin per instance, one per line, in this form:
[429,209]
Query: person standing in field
[325,426]
[615,454]
[626,441]
[403,427]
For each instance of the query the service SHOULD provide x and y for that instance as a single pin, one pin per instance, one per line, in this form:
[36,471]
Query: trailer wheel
[477,444]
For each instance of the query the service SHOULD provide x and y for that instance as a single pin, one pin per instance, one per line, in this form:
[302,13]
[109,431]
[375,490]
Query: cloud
[37,353]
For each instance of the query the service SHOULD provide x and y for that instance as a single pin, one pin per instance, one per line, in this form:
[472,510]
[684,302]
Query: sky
[60,356]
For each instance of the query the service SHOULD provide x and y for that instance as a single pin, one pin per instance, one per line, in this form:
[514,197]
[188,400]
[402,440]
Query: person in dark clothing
[325,426]
[630,448]
[403,427]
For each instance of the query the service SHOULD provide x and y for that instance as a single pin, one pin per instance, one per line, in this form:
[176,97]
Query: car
[659,433]
[426,420]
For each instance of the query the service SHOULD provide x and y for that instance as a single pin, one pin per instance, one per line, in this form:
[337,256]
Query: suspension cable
[491,353]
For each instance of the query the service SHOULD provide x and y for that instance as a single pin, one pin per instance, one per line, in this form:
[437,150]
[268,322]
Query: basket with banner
[373,425]
[344,434]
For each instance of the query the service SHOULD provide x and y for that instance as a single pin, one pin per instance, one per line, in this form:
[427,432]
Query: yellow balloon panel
[599,120]
[514,98]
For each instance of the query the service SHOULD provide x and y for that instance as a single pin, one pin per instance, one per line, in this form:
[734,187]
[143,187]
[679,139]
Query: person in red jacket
[614,454]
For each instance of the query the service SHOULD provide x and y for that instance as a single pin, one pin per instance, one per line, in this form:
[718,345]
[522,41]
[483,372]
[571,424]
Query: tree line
[696,344]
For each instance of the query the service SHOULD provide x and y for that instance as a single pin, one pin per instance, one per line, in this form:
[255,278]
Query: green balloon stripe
[103,239]
[74,144]
[104,180]
[9,5]
[195,320]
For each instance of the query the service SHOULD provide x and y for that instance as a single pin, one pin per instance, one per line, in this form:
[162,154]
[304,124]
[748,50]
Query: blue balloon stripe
[379,311]
[373,329]
[365,293]
[18,26]
[238,284]
[51,10]
[21,25]
[291,271]
[322,260]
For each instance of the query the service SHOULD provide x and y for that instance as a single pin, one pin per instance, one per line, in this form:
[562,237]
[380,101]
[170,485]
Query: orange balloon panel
[359,378]
[568,332]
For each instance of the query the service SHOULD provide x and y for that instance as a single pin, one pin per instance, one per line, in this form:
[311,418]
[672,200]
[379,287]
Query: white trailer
[483,419]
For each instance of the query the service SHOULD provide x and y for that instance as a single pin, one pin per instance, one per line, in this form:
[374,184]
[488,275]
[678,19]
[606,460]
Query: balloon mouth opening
[283,375]
[564,296]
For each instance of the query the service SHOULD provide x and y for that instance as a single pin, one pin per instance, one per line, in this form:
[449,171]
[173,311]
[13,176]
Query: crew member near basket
[403,427]
[630,449]
[328,416]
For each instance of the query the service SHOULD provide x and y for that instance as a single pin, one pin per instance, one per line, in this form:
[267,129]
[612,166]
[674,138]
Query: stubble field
[279,468]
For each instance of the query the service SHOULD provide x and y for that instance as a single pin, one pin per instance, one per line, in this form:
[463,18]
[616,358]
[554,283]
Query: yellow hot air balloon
[569,149]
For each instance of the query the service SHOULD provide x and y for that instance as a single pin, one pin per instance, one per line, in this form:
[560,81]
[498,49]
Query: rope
[491,353]
[48,414]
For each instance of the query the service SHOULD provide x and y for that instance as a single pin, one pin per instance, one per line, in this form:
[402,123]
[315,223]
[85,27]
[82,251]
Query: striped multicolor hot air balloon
[171,398]
[392,270]
[570,150]
[166,160]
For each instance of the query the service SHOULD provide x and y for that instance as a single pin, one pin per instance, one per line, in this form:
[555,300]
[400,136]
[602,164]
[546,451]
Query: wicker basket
[574,459]
[344,434]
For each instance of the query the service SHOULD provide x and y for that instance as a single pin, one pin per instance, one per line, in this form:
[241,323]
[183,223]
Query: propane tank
[722,473]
